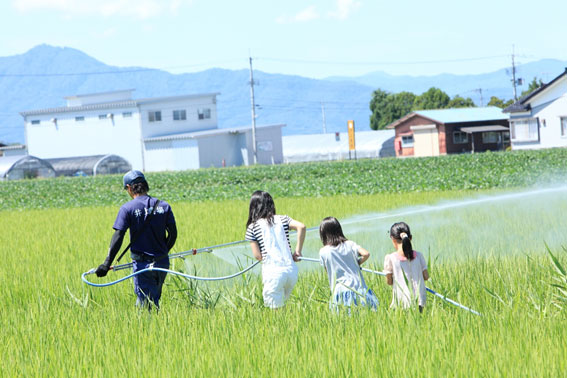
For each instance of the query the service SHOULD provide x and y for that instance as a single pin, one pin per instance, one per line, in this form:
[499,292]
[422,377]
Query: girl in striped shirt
[268,235]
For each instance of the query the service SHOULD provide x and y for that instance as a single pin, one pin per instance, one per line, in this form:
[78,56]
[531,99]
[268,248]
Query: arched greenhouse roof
[19,167]
[90,165]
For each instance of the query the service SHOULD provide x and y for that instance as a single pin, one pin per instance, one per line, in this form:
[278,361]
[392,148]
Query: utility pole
[479,90]
[324,121]
[514,75]
[253,113]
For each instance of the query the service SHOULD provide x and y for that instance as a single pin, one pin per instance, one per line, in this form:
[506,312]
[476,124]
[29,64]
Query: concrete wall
[67,137]
[269,145]
[214,151]
[171,155]
[169,126]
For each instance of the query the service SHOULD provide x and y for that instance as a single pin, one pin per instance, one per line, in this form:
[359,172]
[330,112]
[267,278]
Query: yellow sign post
[351,143]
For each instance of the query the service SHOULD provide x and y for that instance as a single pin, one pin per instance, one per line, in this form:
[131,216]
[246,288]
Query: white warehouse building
[153,134]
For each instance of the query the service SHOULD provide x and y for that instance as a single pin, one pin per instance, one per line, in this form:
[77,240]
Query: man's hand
[102,270]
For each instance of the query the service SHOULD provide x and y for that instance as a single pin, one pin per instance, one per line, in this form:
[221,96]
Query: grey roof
[516,107]
[523,105]
[482,129]
[7,163]
[208,133]
[113,104]
[88,165]
[455,115]
[459,115]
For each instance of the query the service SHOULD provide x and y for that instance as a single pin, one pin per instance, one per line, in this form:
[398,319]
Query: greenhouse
[335,146]
[90,165]
[23,167]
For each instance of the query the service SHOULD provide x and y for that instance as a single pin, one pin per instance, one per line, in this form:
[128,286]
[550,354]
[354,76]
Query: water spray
[361,219]
[426,288]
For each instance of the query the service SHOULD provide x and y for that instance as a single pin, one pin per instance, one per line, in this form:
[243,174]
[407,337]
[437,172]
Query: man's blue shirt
[132,215]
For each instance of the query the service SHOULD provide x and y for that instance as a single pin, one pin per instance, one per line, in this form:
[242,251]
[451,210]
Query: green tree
[460,102]
[434,98]
[534,84]
[495,101]
[377,105]
[388,107]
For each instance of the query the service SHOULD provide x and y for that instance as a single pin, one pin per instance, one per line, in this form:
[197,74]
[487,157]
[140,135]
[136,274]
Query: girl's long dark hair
[396,232]
[261,207]
[331,232]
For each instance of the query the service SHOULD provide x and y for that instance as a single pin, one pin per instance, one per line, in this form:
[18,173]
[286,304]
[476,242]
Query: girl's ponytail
[406,246]
[401,231]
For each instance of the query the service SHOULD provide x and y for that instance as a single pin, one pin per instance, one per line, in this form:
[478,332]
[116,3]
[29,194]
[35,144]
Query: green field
[485,247]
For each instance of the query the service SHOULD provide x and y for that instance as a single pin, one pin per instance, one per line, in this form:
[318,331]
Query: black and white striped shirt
[255,233]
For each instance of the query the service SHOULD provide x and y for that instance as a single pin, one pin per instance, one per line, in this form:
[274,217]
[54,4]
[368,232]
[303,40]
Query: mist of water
[514,223]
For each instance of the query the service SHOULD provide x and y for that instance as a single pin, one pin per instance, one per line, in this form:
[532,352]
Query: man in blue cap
[152,235]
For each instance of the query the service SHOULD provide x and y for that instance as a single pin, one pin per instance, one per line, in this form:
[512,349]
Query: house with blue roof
[539,119]
[449,131]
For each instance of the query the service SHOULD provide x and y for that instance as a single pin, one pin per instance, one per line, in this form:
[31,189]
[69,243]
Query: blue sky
[308,38]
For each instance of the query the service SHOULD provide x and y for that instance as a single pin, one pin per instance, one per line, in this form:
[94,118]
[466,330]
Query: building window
[204,113]
[102,116]
[407,141]
[154,116]
[127,115]
[79,118]
[460,137]
[490,137]
[179,115]
[525,130]
[36,122]
[564,126]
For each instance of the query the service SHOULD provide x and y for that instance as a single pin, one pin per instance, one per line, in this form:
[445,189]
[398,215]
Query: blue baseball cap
[133,177]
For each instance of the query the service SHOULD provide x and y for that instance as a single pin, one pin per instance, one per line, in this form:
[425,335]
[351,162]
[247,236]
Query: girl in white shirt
[268,235]
[406,270]
[342,259]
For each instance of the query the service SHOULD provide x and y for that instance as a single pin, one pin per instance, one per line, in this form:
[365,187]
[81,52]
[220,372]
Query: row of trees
[388,107]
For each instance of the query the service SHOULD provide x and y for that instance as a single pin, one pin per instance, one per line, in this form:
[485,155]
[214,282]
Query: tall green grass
[54,325]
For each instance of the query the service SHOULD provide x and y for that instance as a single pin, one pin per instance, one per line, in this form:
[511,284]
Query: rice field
[485,249]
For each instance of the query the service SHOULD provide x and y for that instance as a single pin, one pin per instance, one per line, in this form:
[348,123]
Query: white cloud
[308,14]
[344,9]
[141,9]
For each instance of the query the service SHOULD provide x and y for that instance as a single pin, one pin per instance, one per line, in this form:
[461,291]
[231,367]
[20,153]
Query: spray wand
[129,265]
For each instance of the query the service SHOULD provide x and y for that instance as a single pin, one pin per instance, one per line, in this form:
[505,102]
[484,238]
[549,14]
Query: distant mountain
[498,83]
[41,77]
[26,84]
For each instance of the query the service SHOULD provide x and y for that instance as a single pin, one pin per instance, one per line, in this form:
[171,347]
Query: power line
[368,63]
